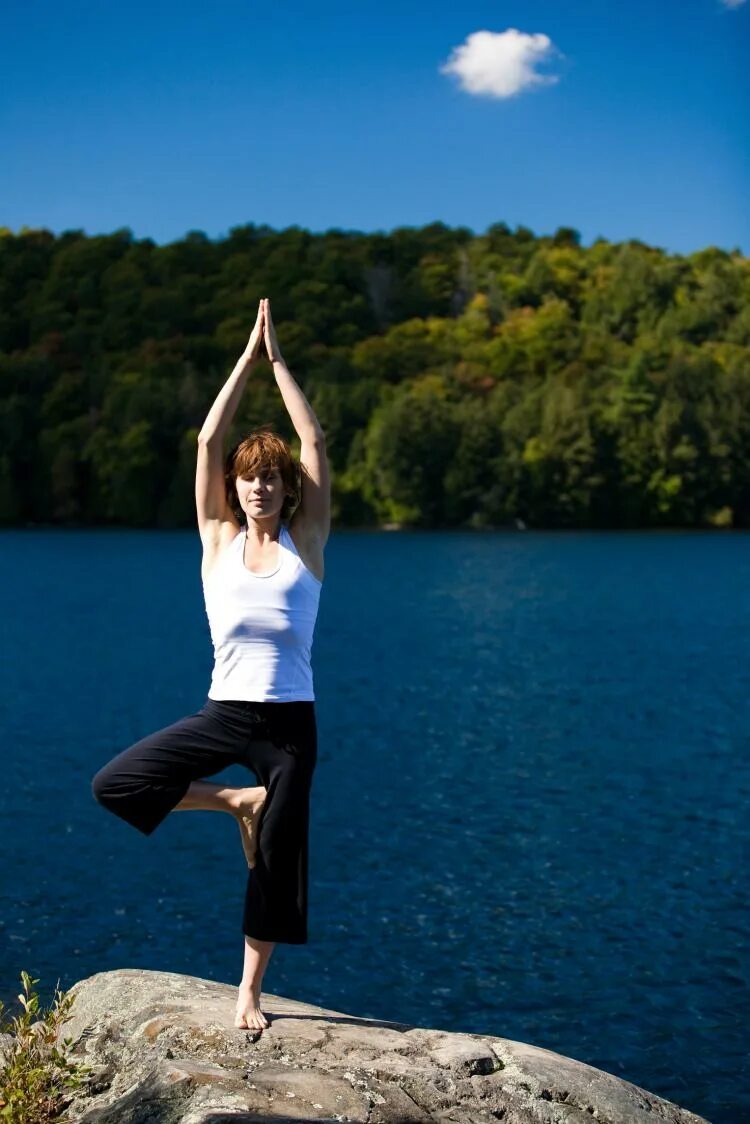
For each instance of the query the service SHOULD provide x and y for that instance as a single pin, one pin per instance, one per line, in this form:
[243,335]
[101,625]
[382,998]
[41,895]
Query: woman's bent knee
[112,794]
[142,803]
[100,787]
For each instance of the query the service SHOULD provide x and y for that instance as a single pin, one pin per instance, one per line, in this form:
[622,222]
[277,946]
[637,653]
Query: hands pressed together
[264,333]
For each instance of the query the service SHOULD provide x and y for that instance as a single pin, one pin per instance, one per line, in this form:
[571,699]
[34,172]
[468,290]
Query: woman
[262,578]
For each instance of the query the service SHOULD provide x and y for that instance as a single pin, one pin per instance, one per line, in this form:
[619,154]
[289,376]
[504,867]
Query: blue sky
[622,120]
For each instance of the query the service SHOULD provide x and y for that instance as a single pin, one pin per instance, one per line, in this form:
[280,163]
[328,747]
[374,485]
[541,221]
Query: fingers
[257,333]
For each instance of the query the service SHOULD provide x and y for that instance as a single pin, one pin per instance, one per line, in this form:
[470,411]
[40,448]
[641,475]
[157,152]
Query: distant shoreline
[389,527]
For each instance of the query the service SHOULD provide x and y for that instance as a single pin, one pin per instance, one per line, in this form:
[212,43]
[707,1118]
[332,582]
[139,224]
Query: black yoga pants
[278,742]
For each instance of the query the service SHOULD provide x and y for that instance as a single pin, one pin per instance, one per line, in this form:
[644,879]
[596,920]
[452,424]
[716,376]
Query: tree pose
[263,535]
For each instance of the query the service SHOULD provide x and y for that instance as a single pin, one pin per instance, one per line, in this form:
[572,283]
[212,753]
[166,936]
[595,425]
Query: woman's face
[261,496]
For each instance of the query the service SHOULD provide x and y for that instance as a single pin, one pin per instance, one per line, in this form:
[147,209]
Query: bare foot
[249,1015]
[248,804]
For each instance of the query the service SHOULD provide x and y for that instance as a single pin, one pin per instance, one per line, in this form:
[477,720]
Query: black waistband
[242,706]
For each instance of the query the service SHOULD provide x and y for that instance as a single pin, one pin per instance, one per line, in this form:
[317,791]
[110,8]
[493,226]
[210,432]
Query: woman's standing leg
[283,756]
[257,955]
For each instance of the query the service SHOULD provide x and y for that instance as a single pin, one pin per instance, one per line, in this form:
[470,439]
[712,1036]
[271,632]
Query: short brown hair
[262,449]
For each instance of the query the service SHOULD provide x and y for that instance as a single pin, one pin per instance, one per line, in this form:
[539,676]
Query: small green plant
[36,1071]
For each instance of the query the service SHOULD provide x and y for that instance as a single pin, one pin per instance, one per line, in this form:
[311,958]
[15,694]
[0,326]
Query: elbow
[206,438]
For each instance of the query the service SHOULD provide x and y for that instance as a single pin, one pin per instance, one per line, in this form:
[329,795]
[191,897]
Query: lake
[529,813]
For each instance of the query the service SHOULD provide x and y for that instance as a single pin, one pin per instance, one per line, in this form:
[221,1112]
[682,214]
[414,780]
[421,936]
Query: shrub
[36,1071]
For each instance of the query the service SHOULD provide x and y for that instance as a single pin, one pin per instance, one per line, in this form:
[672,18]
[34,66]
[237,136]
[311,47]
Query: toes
[248,1015]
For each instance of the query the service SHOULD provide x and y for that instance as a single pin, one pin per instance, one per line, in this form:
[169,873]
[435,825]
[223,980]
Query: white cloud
[732,3]
[501,64]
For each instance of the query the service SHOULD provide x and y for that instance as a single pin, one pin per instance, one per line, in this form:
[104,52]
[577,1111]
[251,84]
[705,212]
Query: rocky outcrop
[163,1049]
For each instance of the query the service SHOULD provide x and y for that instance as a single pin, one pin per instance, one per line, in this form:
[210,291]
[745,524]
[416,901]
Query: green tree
[408,448]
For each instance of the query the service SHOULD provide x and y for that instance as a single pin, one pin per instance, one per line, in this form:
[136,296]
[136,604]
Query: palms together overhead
[264,333]
[269,333]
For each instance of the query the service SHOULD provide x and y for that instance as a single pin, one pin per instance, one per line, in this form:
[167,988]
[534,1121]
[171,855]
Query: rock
[163,1048]
[6,1045]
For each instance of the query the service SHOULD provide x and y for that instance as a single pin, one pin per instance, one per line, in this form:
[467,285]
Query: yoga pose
[262,573]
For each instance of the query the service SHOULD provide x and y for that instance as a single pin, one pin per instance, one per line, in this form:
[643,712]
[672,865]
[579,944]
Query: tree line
[462,379]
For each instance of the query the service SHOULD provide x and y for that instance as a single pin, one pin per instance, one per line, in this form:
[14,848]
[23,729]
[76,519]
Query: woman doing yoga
[262,573]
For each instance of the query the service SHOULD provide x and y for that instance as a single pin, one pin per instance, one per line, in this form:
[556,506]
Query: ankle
[238,796]
[252,795]
[251,987]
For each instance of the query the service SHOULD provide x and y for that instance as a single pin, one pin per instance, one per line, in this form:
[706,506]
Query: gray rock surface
[163,1049]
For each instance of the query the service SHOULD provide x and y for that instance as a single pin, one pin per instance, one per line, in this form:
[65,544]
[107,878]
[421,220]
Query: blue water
[529,814]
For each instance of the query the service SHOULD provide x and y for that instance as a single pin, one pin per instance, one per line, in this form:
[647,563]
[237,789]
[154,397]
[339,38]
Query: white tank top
[261,625]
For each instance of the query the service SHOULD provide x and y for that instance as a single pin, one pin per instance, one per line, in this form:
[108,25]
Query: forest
[463,380]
